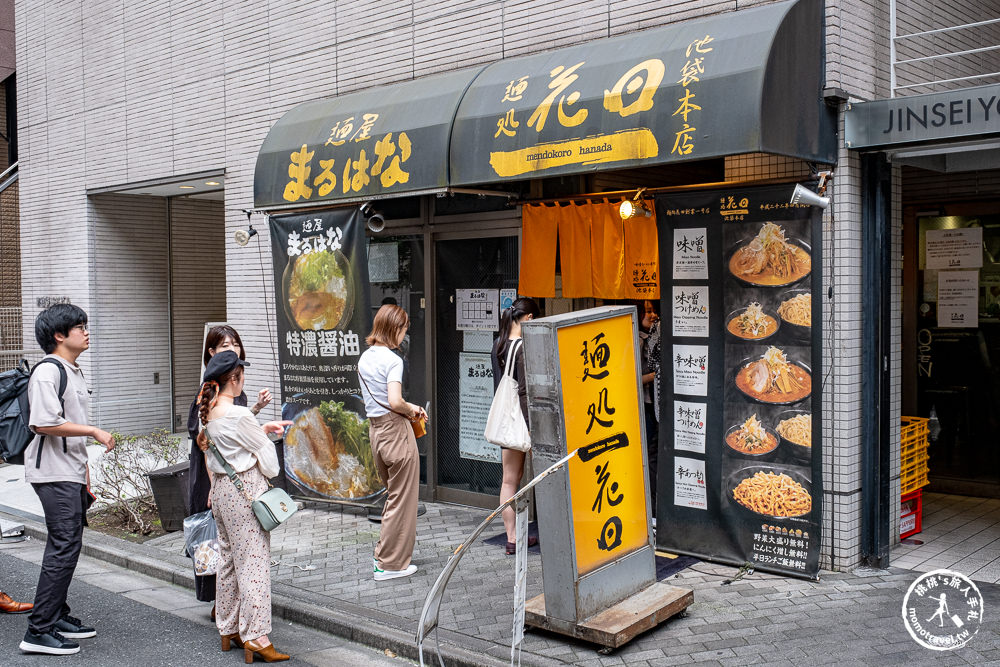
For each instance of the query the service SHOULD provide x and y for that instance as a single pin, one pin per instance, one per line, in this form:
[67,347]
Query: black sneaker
[73,628]
[50,642]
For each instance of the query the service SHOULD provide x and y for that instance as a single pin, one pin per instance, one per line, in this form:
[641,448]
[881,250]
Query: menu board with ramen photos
[321,287]
[762,453]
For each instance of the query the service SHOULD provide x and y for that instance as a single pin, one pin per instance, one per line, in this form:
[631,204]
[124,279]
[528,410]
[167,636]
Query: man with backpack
[55,464]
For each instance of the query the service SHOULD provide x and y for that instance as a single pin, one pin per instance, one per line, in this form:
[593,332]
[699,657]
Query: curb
[357,623]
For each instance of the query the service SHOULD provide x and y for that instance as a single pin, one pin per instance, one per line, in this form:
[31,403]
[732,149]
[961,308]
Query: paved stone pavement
[324,572]
[845,618]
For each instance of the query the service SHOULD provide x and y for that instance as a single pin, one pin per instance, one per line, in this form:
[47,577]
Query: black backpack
[15,436]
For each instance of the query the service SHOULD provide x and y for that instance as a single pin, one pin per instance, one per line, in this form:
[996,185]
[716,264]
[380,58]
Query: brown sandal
[268,653]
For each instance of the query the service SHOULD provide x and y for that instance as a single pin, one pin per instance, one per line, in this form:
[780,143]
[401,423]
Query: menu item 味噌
[769,259]
[774,379]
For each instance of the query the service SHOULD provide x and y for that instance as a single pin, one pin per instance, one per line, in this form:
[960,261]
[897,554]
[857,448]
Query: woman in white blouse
[243,584]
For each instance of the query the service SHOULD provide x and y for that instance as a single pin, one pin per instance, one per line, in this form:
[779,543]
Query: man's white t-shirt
[378,366]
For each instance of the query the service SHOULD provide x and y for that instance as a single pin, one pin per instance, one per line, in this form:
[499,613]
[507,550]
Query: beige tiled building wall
[115,92]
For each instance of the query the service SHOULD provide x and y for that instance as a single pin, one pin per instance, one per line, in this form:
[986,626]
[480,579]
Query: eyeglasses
[82,327]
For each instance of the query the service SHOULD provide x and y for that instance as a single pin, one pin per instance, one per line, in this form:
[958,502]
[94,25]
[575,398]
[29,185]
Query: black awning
[384,140]
[740,82]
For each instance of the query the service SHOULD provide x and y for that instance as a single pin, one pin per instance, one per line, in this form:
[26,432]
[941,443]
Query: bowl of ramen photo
[773,378]
[770,259]
[794,429]
[795,312]
[752,323]
[751,439]
[327,451]
[319,290]
[774,492]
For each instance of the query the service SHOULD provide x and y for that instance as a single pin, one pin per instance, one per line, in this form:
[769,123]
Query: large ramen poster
[323,314]
[760,465]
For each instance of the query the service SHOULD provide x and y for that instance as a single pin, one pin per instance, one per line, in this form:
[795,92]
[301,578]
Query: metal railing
[960,58]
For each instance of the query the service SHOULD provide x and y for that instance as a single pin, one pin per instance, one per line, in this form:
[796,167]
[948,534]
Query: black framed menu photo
[740,464]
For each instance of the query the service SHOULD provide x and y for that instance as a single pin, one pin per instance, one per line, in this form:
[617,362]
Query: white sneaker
[382,575]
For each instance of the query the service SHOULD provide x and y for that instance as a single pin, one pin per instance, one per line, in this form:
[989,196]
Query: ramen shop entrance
[467,467]
[951,334]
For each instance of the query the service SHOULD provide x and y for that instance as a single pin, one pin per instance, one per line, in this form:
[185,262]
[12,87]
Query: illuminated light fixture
[186,187]
[635,207]
[243,236]
[212,183]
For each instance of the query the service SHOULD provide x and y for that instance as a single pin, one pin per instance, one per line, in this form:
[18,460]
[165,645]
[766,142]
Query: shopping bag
[201,542]
[505,424]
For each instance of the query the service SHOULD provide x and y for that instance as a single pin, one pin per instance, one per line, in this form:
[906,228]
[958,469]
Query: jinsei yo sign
[584,397]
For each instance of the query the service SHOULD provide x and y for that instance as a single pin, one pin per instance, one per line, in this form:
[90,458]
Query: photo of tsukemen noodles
[773,494]
[774,379]
[797,310]
[751,437]
[797,429]
[752,323]
[769,259]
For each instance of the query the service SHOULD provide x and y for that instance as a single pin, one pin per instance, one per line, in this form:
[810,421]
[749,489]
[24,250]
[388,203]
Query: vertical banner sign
[601,408]
[740,465]
[321,285]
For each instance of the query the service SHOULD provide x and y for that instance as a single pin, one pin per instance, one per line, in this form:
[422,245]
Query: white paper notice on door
[475,385]
[689,483]
[477,309]
[690,363]
[953,248]
[690,254]
[958,299]
[689,426]
[690,311]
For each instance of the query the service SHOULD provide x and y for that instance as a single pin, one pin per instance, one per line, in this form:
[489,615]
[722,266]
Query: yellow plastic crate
[913,484]
[910,459]
[914,427]
[913,456]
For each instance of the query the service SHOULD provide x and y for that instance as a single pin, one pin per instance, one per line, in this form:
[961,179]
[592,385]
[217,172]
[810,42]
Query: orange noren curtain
[642,259]
[574,250]
[537,276]
[607,251]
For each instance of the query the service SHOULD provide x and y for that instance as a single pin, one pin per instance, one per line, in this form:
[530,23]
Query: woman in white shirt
[392,440]
[243,584]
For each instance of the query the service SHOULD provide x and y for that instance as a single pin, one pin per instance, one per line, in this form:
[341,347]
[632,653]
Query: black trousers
[652,450]
[64,518]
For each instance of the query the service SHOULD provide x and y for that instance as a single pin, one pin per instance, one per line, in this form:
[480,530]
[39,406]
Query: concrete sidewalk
[323,578]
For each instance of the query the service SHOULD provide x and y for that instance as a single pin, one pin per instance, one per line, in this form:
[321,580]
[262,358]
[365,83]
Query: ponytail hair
[207,398]
[517,311]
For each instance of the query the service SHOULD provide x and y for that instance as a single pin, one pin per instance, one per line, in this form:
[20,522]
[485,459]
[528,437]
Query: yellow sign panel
[637,144]
[601,410]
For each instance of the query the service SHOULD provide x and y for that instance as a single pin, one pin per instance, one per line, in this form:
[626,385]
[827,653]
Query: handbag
[505,424]
[272,508]
[418,424]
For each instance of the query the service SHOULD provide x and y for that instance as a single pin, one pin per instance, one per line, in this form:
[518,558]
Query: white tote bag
[505,425]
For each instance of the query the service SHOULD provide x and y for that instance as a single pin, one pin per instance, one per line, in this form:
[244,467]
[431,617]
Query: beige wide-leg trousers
[243,584]
[398,464]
